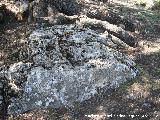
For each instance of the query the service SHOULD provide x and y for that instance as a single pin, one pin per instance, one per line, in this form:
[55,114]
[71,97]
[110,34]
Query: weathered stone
[18,71]
[70,63]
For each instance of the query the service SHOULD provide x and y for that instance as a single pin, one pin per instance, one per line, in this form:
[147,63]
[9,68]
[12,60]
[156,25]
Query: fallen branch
[111,17]
[118,32]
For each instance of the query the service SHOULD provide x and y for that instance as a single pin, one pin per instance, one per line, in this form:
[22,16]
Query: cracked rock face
[69,64]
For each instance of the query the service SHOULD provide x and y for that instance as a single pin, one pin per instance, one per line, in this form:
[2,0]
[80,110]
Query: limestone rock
[69,64]
[18,71]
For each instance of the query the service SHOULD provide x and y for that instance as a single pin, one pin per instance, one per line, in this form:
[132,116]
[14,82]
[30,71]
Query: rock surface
[3,83]
[69,64]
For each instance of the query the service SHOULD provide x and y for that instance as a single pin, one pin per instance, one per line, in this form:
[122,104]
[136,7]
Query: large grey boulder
[69,64]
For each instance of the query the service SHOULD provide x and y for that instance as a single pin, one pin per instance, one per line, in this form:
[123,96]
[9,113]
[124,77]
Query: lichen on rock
[69,64]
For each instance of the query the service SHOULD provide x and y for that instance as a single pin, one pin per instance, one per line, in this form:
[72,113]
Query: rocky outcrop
[69,64]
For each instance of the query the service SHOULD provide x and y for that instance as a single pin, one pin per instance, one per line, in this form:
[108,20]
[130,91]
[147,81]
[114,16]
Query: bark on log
[112,18]
[118,36]
[112,29]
